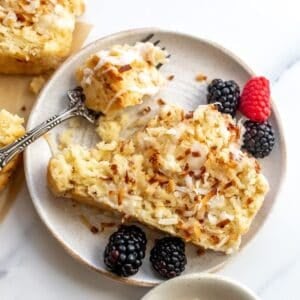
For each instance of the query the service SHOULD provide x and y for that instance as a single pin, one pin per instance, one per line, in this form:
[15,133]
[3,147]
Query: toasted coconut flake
[200,77]
[196,154]
[125,68]
[168,221]
[161,102]
[171,77]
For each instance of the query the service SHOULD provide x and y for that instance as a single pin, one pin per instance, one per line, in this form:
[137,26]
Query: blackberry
[226,95]
[259,138]
[168,257]
[125,250]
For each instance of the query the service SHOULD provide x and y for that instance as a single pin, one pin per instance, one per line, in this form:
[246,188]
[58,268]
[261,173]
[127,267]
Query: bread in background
[11,128]
[36,36]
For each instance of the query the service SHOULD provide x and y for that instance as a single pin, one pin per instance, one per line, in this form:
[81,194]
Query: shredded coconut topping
[150,177]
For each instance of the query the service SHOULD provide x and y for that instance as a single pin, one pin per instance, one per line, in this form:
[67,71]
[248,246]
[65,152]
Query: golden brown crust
[10,129]
[8,171]
[72,194]
[34,66]
[78,7]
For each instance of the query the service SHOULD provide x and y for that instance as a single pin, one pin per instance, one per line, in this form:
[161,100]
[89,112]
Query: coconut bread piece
[121,76]
[183,173]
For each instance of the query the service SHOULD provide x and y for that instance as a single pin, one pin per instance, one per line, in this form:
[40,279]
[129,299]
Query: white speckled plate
[68,222]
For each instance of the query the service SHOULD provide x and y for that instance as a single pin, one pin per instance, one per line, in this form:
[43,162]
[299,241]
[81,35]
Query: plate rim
[148,30]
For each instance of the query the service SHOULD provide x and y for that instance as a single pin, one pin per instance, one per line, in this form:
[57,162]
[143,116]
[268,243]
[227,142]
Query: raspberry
[255,99]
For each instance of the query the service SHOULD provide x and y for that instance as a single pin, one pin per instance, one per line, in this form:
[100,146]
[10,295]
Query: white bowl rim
[198,276]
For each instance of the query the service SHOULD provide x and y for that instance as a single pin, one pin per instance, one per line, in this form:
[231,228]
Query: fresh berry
[226,95]
[259,138]
[255,99]
[125,250]
[168,257]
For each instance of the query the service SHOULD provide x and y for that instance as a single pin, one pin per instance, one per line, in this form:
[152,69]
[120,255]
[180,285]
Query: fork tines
[155,43]
[147,38]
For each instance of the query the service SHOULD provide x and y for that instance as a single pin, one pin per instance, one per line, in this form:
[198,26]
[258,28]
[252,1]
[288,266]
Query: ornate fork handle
[8,152]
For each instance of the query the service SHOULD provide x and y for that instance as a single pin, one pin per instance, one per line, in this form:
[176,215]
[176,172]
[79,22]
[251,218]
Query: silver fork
[76,107]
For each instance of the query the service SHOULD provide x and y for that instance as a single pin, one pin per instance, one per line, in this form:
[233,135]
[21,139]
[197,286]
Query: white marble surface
[266,34]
